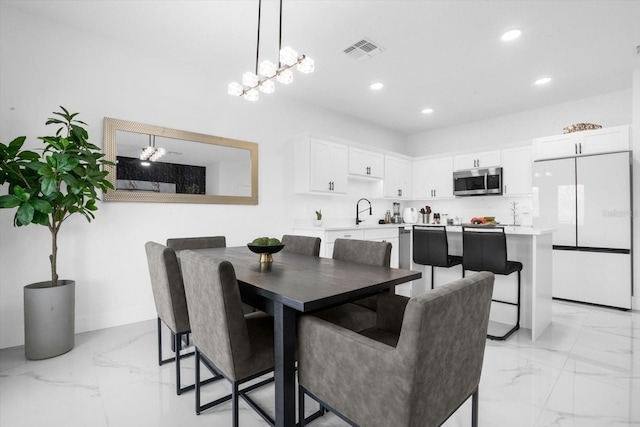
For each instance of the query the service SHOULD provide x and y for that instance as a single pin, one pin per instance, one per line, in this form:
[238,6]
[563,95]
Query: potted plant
[47,188]
[319,217]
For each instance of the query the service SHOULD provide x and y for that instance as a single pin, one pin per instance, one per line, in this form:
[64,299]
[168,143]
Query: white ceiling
[446,55]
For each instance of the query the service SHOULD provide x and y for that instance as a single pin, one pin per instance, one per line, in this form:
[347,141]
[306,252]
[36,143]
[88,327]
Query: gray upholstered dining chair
[360,314]
[182,243]
[416,367]
[228,342]
[170,301]
[304,245]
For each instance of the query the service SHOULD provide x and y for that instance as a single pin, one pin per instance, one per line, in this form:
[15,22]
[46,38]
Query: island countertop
[508,229]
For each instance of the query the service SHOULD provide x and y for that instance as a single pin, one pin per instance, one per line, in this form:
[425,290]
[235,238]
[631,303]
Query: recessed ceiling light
[511,35]
[543,81]
[427,111]
[376,86]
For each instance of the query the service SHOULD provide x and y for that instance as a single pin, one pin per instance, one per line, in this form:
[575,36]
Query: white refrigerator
[587,200]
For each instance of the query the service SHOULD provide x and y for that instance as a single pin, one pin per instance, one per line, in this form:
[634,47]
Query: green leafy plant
[319,215]
[63,180]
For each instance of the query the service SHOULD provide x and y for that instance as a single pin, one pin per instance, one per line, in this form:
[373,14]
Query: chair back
[304,245]
[218,325]
[167,287]
[183,243]
[442,341]
[484,249]
[363,251]
[430,246]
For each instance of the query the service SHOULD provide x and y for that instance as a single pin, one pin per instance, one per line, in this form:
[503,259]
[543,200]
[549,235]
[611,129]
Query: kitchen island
[530,246]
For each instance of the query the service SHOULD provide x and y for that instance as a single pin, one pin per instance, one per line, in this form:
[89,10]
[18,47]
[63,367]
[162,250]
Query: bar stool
[485,249]
[431,247]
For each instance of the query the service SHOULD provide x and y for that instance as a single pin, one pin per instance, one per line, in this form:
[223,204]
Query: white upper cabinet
[433,178]
[484,159]
[516,171]
[582,143]
[397,178]
[365,163]
[320,166]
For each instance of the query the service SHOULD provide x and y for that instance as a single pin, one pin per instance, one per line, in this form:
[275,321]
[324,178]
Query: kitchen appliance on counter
[587,200]
[410,215]
[396,218]
[477,182]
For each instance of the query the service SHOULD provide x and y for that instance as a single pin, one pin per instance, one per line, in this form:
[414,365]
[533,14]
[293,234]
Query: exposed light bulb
[249,79]
[306,65]
[267,86]
[235,89]
[267,68]
[285,77]
[376,86]
[288,56]
[427,111]
[252,95]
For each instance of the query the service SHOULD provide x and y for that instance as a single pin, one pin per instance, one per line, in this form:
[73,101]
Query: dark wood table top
[307,283]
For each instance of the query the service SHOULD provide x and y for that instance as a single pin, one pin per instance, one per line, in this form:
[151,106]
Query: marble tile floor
[584,371]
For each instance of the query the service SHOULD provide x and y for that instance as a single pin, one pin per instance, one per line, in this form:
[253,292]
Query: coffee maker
[396,218]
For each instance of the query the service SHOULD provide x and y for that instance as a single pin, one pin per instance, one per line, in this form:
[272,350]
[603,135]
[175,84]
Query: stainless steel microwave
[477,182]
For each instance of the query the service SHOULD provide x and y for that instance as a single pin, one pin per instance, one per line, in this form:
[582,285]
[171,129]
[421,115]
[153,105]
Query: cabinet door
[482,159]
[516,171]
[554,199]
[554,146]
[397,177]
[603,199]
[605,140]
[328,167]
[365,163]
[433,178]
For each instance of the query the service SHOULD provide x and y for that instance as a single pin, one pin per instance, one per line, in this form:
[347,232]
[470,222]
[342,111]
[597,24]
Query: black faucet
[358,220]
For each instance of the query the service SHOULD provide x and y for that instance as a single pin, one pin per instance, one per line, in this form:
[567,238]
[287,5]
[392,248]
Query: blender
[396,219]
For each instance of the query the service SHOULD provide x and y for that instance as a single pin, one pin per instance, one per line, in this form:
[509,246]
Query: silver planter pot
[49,319]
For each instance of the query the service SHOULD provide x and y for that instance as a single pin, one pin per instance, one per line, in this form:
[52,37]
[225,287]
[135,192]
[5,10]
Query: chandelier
[262,80]
[150,152]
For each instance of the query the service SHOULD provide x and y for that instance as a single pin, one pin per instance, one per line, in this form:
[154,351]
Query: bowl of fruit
[265,247]
[484,220]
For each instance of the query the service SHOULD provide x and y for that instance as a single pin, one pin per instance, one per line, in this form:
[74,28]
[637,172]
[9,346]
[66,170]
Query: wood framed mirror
[188,167]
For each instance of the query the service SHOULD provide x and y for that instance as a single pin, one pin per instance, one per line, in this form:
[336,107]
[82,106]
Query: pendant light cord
[258,44]
[280,36]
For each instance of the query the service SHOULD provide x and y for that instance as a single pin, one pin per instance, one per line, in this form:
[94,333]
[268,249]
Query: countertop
[521,230]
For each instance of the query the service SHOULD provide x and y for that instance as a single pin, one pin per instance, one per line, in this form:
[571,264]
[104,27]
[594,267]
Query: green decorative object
[47,188]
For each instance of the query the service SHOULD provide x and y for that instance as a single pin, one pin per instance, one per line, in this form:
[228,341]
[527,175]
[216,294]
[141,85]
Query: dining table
[292,285]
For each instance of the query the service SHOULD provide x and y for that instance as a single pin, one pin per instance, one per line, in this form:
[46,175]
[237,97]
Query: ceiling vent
[363,50]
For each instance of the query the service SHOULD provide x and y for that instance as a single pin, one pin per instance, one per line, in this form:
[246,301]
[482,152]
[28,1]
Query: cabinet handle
[580,147]
[575,146]
[368,170]
[400,192]
[434,193]
[505,189]
[347,235]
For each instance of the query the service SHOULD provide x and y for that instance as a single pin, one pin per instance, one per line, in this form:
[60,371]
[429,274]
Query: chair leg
[177,341]
[197,381]
[160,362]
[301,407]
[474,409]
[234,403]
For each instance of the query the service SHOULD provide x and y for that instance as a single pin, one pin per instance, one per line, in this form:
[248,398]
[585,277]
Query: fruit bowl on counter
[265,247]
[484,220]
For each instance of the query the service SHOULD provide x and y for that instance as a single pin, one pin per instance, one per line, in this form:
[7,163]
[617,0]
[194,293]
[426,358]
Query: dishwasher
[404,248]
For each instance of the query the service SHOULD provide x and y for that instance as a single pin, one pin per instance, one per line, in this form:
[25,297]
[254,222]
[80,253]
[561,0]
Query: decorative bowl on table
[265,251]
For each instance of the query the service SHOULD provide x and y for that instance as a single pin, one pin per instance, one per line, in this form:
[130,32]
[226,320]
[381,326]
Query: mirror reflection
[168,165]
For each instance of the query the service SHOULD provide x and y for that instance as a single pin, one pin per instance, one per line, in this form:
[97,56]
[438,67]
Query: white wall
[516,129]
[43,66]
